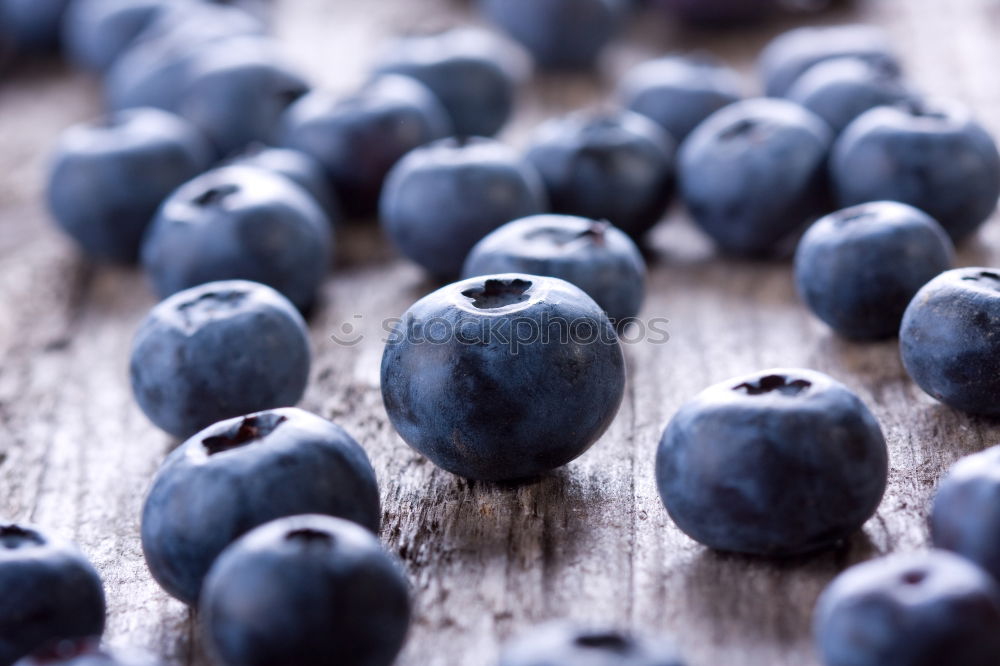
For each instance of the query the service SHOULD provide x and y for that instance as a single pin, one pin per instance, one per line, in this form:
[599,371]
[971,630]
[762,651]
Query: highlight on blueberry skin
[792,53]
[679,92]
[948,339]
[616,166]
[240,223]
[305,590]
[358,139]
[595,256]
[134,159]
[563,643]
[241,473]
[921,609]
[777,463]
[441,199]
[559,34]
[841,89]
[965,515]
[472,72]
[217,351]
[503,377]
[857,269]
[931,155]
[754,173]
[298,167]
[51,593]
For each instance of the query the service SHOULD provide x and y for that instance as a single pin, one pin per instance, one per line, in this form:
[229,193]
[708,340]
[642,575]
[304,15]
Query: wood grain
[592,540]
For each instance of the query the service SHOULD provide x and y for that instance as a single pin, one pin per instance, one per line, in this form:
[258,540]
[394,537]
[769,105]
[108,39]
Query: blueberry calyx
[739,129]
[249,429]
[914,577]
[982,276]
[847,217]
[495,294]
[607,641]
[215,195]
[308,537]
[772,383]
[13,537]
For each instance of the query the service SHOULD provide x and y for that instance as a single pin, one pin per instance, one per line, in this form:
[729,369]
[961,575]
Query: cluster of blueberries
[226,176]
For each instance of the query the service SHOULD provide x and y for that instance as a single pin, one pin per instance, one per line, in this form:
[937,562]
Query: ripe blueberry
[309,591]
[595,256]
[678,93]
[241,473]
[51,593]
[503,377]
[754,173]
[471,72]
[921,609]
[216,351]
[790,54]
[360,138]
[616,166]
[933,156]
[857,269]
[239,223]
[108,178]
[441,199]
[778,463]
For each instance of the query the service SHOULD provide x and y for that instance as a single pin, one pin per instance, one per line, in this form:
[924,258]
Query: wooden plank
[591,541]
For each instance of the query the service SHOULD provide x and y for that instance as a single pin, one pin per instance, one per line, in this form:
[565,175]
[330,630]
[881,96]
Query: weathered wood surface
[591,541]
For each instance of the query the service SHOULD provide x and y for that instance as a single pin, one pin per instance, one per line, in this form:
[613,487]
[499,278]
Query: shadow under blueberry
[745,589]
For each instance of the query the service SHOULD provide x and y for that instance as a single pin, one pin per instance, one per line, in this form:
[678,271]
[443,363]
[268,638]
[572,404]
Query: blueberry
[840,90]
[237,91]
[563,644]
[596,257]
[719,11]
[241,473]
[217,351]
[503,377]
[754,173]
[309,591]
[50,593]
[790,54]
[32,25]
[85,652]
[857,269]
[934,156]
[948,339]
[156,68]
[920,609]
[470,71]
[616,166]
[97,32]
[965,517]
[295,165]
[108,178]
[559,34]
[777,463]
[441,199]
[360,138]
[239,223]
[678,93]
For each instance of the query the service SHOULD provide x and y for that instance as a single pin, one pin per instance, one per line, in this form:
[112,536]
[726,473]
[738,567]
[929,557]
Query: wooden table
[591,541]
